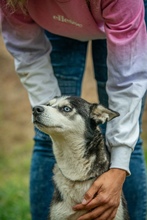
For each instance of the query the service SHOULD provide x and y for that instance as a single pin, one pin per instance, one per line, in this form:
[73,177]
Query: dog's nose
[37,110]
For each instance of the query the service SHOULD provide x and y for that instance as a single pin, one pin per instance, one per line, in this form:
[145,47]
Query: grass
[14,184]
[16,147]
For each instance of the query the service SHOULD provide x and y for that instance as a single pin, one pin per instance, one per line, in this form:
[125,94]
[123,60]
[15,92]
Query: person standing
[52,63]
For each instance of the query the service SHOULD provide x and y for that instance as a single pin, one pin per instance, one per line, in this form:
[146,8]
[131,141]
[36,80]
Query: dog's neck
[76,180]
[80,161]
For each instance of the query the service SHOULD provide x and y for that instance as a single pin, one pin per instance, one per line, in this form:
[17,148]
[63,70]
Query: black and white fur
[79,149]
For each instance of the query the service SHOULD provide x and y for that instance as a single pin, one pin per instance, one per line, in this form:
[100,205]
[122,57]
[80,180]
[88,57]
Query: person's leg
[68,60]
[41,186]
[99,54]
[135,186]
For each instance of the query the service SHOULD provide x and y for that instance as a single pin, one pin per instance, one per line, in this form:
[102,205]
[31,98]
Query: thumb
[92,192]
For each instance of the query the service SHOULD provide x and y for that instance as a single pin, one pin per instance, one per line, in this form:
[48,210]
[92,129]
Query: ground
[16,136]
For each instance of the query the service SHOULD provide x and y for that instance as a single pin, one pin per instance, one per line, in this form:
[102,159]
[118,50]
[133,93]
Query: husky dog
[79,149]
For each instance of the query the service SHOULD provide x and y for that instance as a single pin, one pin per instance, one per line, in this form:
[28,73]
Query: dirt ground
[15,111]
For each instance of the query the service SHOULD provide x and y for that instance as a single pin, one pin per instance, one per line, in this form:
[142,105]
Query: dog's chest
[72,192]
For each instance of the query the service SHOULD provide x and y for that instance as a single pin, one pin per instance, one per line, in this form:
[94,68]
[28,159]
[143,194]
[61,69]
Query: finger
[108,214]
[113,214]
[105,210]
[91,193]
[97,213]
[78,207]
[98,201]
[91,205]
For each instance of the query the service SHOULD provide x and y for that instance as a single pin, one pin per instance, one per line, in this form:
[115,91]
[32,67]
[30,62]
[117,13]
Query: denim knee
[43,144]
[41,184]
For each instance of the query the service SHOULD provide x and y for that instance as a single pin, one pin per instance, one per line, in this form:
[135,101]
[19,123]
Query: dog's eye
[67,109]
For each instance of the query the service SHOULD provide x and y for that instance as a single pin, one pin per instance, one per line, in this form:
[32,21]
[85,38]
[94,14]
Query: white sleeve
[29,46]
[127,76]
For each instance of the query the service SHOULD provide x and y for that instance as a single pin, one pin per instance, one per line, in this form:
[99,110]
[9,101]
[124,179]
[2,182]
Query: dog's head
[68,114]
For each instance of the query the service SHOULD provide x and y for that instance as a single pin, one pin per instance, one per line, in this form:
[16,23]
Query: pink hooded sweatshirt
[121,22]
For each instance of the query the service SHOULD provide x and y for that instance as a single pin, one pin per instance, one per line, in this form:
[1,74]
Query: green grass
[14,183]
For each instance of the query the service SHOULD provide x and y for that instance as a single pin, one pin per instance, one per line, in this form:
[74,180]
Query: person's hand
[103,198]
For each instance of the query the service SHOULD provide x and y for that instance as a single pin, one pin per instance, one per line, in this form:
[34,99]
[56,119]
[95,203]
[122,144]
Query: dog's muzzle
[37,110]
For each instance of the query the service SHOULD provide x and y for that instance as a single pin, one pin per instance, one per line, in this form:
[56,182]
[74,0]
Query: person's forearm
[127,76]
[27,43]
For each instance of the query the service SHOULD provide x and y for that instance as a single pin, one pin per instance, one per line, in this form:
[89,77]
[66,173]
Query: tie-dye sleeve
[27,43]
[127,74]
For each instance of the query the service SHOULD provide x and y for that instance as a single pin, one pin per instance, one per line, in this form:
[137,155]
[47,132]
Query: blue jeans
[68,60]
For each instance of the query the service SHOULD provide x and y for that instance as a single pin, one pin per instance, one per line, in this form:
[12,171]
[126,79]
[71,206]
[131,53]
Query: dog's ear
[101,114]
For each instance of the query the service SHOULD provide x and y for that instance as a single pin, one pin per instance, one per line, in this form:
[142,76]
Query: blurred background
[16,136]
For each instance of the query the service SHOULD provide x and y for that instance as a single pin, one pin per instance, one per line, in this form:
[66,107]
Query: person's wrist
[119,173]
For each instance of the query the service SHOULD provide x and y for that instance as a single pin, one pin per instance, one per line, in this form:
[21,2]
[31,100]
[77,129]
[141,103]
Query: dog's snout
[37,110]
